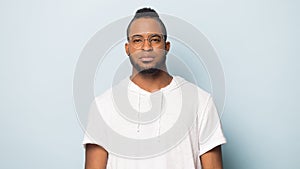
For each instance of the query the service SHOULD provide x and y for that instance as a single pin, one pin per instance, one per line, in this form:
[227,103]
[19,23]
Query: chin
[149,71]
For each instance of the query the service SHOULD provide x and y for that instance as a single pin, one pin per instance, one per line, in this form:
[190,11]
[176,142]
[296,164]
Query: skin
[96,156]
[150,81]
[212,159]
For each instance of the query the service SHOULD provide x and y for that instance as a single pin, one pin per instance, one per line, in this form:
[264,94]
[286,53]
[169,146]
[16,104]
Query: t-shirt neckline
[136,88]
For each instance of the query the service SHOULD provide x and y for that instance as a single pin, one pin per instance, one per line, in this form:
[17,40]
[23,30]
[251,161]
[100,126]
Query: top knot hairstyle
[148,13]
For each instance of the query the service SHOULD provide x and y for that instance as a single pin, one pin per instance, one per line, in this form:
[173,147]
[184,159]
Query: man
[147,48]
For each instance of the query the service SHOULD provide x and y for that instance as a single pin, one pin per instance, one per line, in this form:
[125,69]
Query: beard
[149,71]
[154,68]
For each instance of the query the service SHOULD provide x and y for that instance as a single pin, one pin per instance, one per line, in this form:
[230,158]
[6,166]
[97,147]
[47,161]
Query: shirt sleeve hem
[211,145]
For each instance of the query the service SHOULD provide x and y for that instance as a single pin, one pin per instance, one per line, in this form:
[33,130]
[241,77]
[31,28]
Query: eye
[155,40]
[137,40]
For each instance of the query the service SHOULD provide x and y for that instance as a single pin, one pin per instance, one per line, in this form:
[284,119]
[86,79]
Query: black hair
[148,13]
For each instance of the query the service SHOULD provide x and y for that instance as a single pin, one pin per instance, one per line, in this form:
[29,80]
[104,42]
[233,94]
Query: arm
[95,157]
[212,159]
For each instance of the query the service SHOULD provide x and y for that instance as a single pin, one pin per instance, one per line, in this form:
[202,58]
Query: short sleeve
[87,140]
[93,130]
[210,129]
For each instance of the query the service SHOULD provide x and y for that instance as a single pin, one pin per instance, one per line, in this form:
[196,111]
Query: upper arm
[95,157]
[212,159]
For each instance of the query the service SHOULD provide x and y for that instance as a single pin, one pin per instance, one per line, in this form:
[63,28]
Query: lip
[147,58]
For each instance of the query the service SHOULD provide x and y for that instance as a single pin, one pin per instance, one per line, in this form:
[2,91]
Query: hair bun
[146,12]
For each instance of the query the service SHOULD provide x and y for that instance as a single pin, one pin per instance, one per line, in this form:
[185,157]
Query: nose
[147,46]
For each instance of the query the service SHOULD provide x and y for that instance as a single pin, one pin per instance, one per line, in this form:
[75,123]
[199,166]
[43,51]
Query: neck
[152,80]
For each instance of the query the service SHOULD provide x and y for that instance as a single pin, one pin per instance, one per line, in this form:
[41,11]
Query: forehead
[145,25]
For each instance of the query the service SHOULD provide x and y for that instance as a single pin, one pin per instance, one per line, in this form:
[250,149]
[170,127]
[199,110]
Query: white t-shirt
[203,134]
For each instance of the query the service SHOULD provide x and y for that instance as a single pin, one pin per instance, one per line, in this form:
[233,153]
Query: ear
[167,46]
[127,48]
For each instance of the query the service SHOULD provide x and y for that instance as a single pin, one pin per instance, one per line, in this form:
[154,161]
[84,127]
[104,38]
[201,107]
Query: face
[146,47]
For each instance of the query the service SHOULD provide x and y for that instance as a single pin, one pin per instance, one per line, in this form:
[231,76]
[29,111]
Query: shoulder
[114,91]
[104,98]
[201,93]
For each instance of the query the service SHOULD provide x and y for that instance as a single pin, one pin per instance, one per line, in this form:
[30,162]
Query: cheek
[132,50]
[161,52]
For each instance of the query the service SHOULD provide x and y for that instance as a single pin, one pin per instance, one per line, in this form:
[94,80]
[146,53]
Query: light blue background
[257,42]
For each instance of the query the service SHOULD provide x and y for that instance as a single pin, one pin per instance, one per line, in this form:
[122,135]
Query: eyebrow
[139,35]
[136,35]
